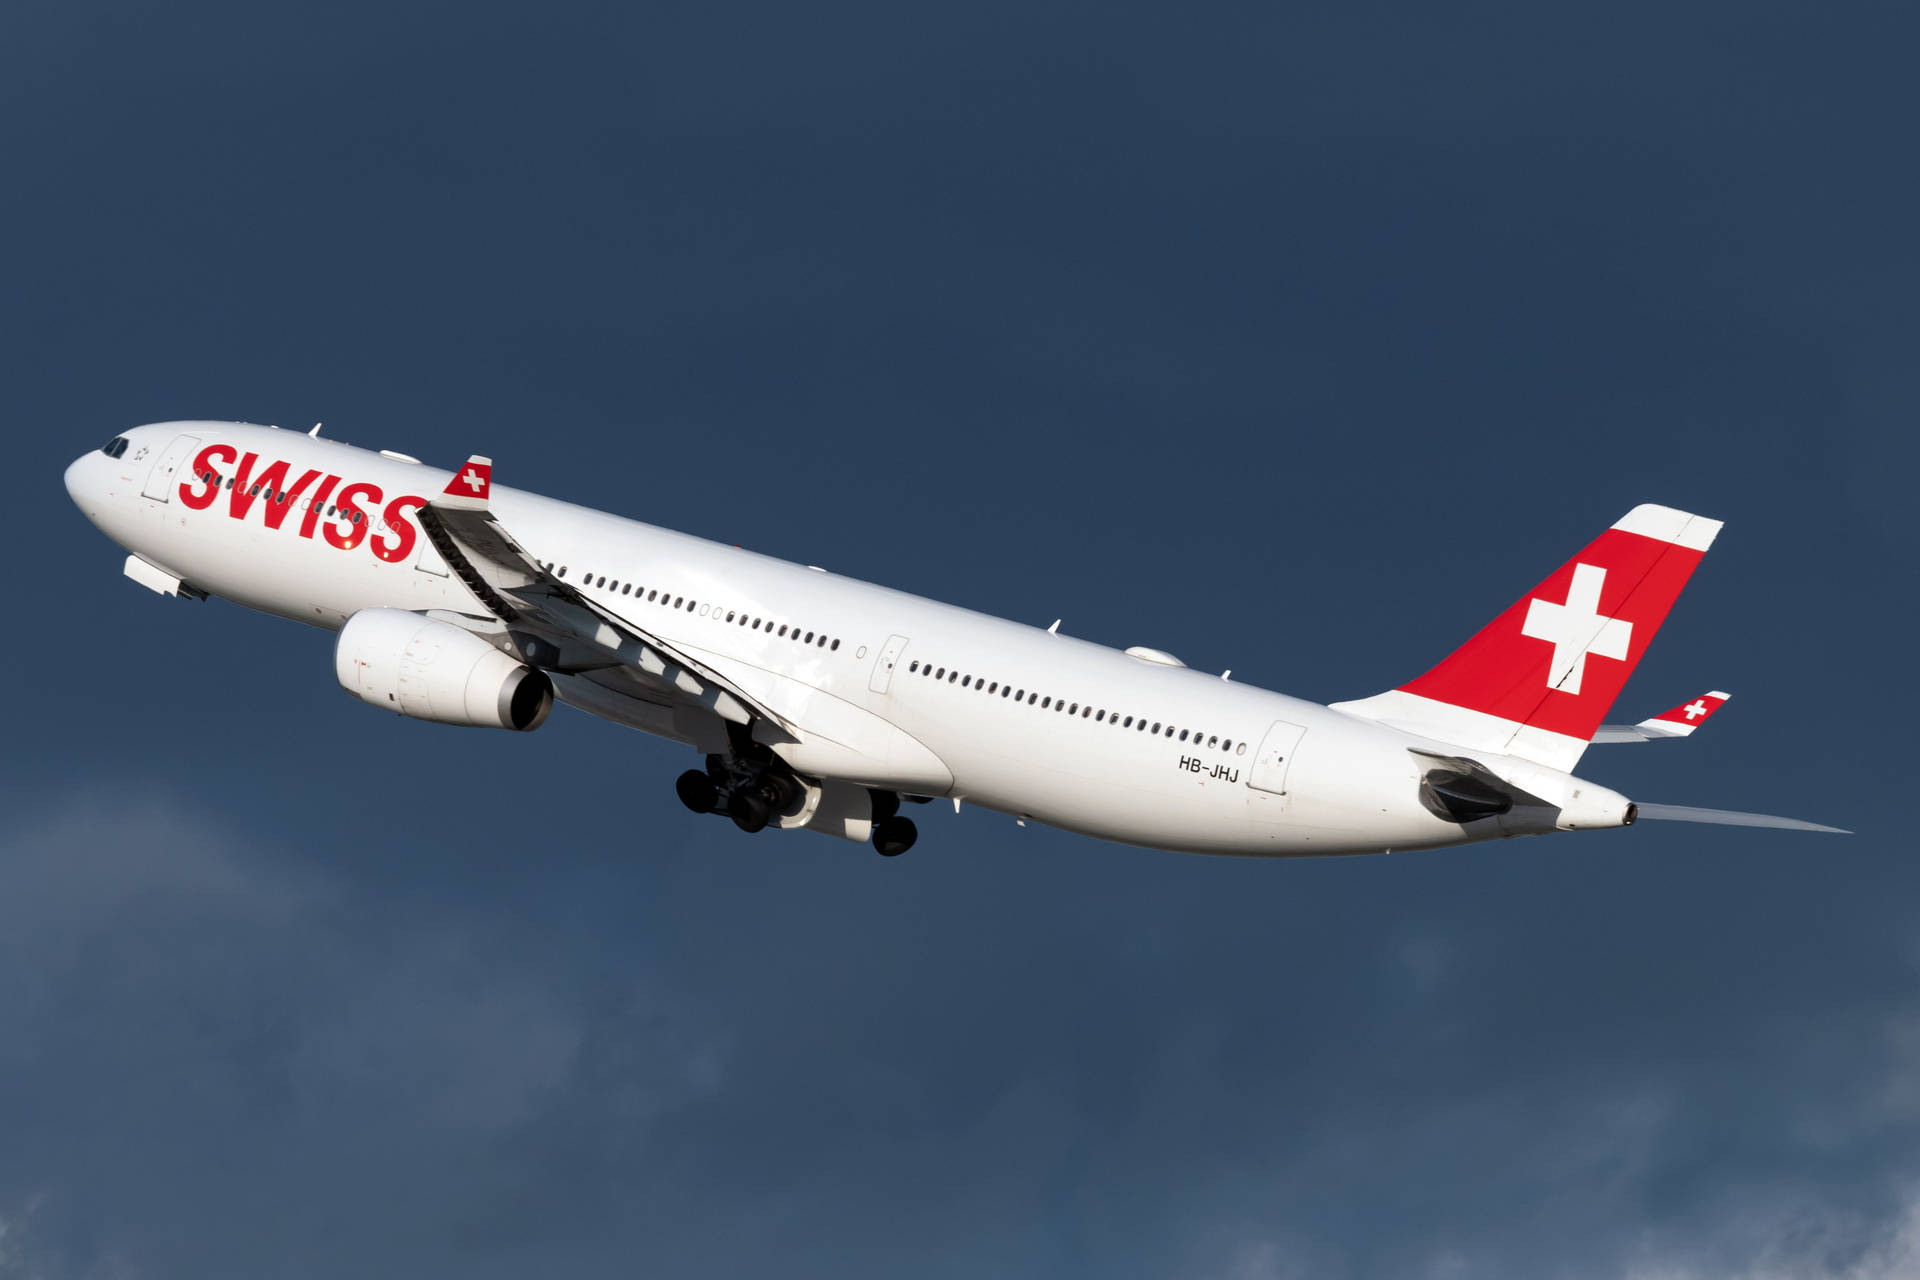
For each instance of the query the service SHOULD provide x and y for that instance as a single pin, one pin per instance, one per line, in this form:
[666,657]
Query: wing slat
[514,586]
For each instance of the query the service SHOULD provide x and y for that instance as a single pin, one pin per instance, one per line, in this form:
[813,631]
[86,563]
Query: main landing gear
[751,797]
[893,835]
[749,786]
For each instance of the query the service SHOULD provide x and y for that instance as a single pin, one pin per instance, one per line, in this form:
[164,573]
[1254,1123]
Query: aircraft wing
[1677,723]
[563,629]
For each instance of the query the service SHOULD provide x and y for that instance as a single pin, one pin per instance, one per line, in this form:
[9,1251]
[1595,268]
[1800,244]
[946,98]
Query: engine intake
[432,670]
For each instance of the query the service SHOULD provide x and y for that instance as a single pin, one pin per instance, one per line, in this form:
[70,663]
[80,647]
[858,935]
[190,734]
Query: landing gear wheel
[894,836]
[780,792]
[748,811]
[696,791]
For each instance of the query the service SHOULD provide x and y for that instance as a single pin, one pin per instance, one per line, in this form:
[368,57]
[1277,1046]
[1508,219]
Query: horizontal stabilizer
[1730,818]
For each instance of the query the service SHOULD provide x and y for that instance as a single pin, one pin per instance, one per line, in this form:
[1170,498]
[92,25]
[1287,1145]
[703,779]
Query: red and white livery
[826,704]
[1677,723]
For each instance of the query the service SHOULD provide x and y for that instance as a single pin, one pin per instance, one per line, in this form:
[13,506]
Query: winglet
[1685,718]
[1677,723]
[471,485]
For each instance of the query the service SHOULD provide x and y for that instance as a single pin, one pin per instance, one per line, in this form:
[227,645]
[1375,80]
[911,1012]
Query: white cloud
[1784,1241]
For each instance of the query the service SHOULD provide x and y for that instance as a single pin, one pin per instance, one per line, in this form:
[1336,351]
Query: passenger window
[809,639]
[1128,724]
[1213,740]
[914,665]
[1240,750]
[1074,710]
[966,682]
[952,677]
[1183,735]
[1102,717]
[994,687]
[1046,704]
[1006,691]
[1226,744]
[834,645]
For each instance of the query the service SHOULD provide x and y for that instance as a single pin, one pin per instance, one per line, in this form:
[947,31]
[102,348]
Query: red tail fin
[1537,680]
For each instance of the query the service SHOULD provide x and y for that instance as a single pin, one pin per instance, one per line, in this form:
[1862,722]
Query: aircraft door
[160,479]
[889,659]
[1269,769]
[428,559]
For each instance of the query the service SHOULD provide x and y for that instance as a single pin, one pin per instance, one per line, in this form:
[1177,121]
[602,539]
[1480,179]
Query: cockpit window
[114,447]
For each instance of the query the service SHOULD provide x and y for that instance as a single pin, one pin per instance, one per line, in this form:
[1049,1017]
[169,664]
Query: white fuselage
[1014,718]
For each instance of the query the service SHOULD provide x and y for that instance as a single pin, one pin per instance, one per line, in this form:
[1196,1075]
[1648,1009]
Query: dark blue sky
[1298,342]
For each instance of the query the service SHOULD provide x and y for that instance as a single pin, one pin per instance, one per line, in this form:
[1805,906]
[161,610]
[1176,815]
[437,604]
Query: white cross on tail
[1698,707]
[1576,629]
[473,480]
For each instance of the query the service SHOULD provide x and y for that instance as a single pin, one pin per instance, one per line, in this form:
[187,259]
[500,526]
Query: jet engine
[432,670]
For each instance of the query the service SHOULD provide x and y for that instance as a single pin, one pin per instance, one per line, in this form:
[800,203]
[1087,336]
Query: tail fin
[1538,680]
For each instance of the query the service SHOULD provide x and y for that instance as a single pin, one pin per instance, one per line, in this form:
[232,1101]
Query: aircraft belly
[1352,791]
[833,738]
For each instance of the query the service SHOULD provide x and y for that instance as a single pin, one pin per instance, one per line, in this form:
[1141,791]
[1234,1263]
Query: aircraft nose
[77,479]
[87,484]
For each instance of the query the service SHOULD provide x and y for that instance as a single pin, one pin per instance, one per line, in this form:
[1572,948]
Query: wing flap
[514,586]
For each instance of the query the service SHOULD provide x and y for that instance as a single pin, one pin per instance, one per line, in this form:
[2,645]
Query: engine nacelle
[433,670]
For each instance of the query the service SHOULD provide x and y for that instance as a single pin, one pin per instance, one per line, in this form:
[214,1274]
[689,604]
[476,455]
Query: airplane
[826,704]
